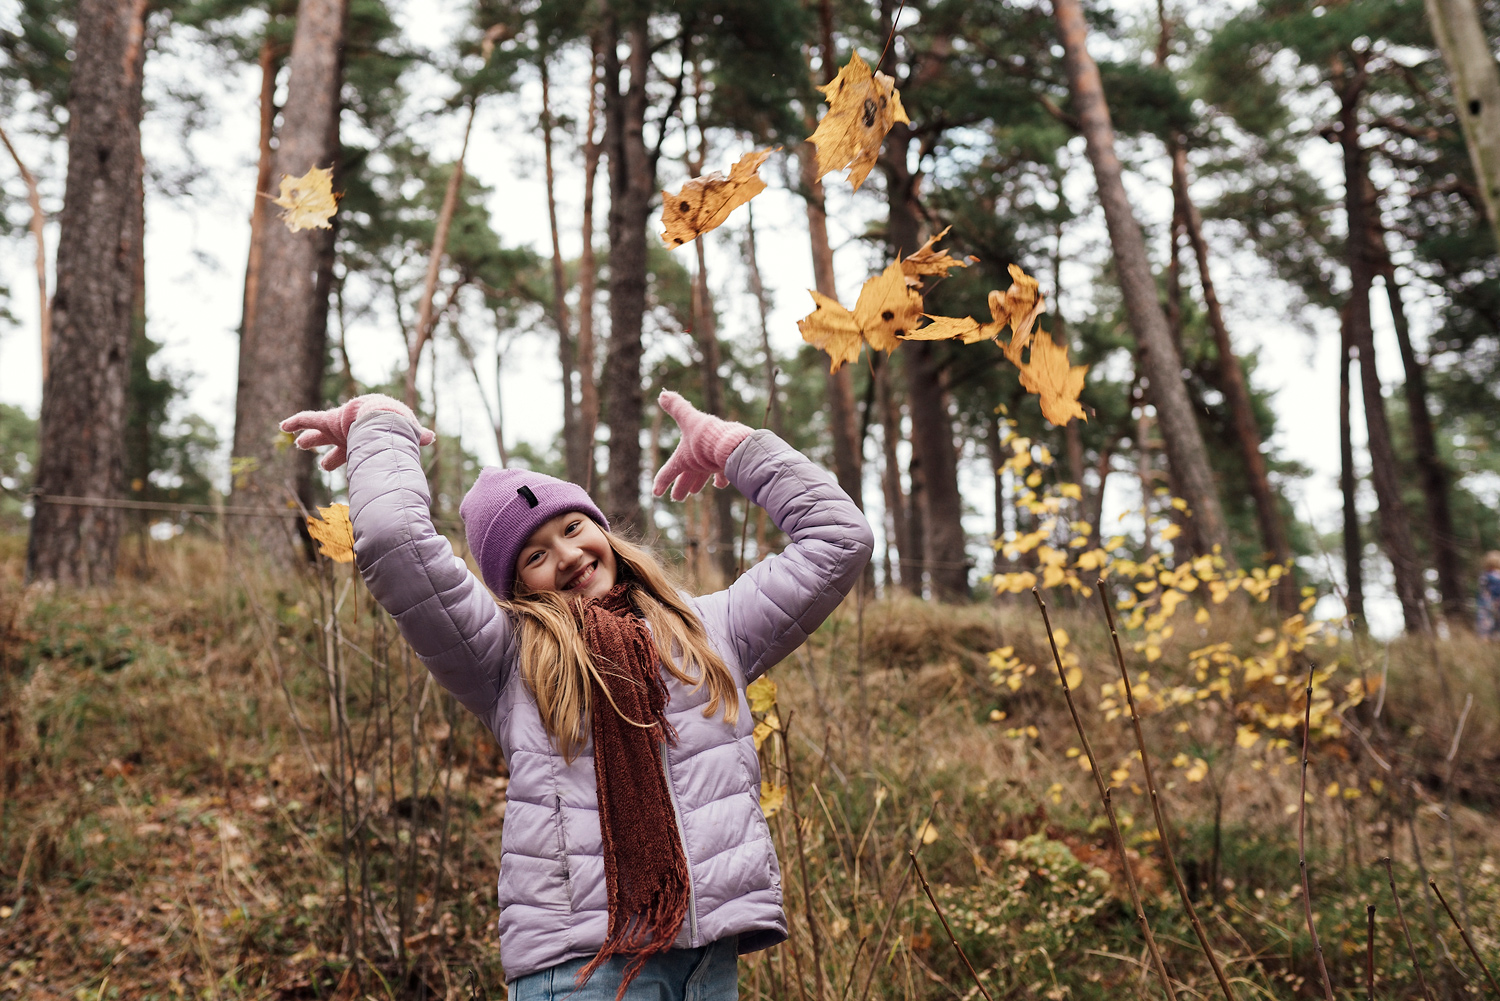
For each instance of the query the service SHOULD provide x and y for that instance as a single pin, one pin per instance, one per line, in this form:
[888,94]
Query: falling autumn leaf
[771,798]
[887,308]
[831,328]
[862,107]
[334,532]
[928,260]
[307,202]
[705,202]
[1049,375]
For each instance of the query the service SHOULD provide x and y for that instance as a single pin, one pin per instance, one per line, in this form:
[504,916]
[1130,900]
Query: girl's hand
[704,448]
[331,427]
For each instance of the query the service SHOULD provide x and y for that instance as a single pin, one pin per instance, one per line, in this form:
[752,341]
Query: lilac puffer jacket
[553,901]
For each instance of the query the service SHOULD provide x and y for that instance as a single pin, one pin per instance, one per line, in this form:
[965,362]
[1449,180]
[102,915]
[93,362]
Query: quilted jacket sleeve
[775,605]
[444,611]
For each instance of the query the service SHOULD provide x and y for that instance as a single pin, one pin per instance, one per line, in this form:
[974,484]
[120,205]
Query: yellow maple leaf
[334,533]
[928,260]
[887,308]
[1049,375]
[771,799]
[762,694]
[307,202]
[1017,307]
[862,107]
[831,328]
[705,202]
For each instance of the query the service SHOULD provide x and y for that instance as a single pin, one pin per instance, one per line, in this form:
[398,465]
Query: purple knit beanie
[503,508]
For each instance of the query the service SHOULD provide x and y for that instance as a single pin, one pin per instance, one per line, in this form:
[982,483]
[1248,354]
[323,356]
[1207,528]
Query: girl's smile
[568,553]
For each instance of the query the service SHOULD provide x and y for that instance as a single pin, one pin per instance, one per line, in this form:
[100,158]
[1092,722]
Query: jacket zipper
[666,769]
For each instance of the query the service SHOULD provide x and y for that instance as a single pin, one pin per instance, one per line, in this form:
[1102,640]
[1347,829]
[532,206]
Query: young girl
[635,862]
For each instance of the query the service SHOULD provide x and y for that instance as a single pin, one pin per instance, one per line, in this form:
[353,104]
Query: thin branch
[1370,952]
[1109,809]
[917,868]
[1161,824]
[38,233]
[1465,936]
[1406,931]
[1312,928]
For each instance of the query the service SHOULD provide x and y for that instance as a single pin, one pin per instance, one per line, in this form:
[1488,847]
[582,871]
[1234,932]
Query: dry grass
[169,830]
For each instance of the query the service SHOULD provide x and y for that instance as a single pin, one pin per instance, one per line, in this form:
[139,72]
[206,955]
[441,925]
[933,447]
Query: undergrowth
[220,782]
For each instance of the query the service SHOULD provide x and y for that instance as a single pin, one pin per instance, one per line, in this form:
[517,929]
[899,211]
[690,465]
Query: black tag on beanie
[529,497]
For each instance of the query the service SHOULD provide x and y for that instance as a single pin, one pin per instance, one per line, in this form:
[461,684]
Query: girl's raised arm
[442,609]
[775,605]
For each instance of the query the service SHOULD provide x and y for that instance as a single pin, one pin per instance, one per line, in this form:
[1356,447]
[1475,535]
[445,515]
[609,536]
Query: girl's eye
[572,527]
[531,560]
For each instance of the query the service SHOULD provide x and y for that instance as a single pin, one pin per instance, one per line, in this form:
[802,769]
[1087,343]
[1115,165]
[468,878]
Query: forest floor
[211,787]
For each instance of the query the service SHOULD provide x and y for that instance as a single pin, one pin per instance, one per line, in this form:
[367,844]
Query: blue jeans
[708,973]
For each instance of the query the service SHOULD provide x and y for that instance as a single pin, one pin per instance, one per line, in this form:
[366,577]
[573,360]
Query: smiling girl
[635,862]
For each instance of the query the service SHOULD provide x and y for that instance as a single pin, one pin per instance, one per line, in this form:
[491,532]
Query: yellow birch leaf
[929,833]
[762,694]
[763,731]
[307,202]
[831,328]
[705,202]
[771,798]
[887,308]
[928,260]
[1049,375]
[862,107]
[1198,772]
[334,533]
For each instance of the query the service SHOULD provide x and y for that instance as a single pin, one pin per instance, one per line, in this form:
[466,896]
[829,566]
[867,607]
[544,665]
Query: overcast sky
[196,249]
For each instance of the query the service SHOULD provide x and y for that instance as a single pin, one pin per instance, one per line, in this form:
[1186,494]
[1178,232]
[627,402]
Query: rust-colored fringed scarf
[645,870]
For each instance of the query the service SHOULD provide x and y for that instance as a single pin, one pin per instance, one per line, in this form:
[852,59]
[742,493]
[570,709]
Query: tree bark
[632,185]
[1180,432]
[426,320]
[1395,526]
[575,454]
[81,433]
[38,226]
[1430,465]
[1235,389]
[588,388]
[281,353]
[1476,92]
[270,66]
[909,570]
[1354,546]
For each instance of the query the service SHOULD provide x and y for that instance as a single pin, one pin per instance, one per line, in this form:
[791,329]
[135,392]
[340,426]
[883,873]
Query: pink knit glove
[704,448]
[331,427]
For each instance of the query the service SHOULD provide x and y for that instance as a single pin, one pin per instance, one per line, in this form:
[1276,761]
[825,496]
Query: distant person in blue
[1489,597]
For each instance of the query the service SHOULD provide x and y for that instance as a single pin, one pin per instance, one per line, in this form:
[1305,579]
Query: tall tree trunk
[909,572]
[281,353]
[1180,432]
[1233,385]
[1476,92]
[1395,526]
[38,226]
[575,454]
[426,318]
[763,312]
[1354,546]
[632,185]
[83,399]
[998,459]
[1430,465]
[588,387]
[270,66]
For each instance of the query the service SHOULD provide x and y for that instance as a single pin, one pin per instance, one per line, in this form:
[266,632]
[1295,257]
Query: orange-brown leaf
[928,260]
[705,202]
[831,328]
[887,308]
[862,107]
[1049,375]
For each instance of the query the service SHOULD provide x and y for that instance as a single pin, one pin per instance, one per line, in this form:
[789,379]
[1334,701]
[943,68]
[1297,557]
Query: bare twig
[1109,810]
[1161,824]
[782,726]
[1458,878]
[1312,928]
[1370,952]
[1465,936]
[890,912]
[917,868]
[1406,931]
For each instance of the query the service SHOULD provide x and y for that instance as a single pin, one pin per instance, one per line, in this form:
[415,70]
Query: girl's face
[569,553]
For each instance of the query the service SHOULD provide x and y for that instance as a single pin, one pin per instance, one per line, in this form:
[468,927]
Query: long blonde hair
[555,660]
